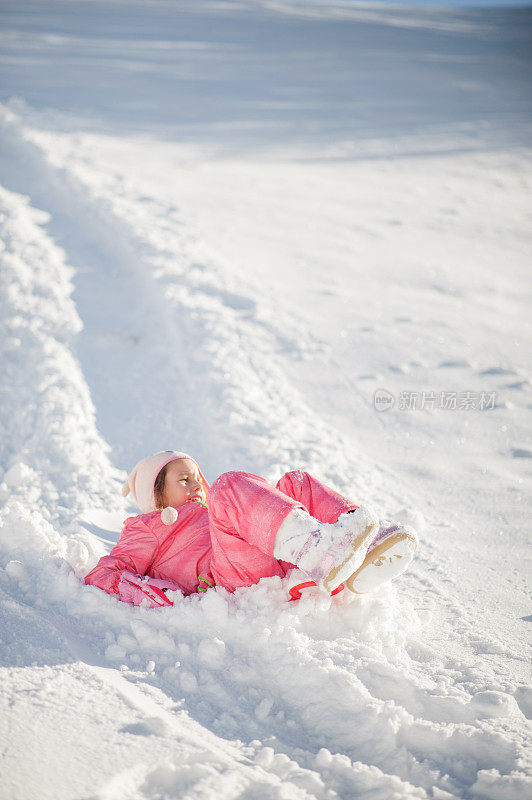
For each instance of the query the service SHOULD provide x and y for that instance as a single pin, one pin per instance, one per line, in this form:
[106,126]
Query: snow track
[321,701]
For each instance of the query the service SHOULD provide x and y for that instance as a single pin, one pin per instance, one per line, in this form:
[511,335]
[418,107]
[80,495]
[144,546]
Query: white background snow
[225,225]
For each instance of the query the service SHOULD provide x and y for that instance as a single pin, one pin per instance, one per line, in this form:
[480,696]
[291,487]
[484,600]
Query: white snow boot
[388,555]
[328,553]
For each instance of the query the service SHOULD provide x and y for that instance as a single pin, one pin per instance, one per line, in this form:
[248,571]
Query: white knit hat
[142,478]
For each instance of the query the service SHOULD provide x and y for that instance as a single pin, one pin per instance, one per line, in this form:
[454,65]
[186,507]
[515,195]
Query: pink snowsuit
[230,543]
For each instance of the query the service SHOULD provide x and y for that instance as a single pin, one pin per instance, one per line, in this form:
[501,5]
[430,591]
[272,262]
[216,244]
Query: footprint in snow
[399,368]
[524,384]
[236,301]
[152,726]
[498,371]
[453,291]
[460,363]
[521,452]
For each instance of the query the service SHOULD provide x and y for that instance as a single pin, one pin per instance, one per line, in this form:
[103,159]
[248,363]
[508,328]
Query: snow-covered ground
[225,227]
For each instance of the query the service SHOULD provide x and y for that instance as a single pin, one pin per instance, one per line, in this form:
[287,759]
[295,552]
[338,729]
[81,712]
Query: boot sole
[387,560]
[355,556]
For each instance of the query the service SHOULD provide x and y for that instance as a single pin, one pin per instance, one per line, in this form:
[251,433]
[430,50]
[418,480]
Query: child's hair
[158,487]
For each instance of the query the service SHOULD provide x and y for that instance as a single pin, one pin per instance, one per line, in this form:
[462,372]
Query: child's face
[182,483]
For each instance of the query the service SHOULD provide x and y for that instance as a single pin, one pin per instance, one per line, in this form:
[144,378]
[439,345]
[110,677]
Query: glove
[143,590]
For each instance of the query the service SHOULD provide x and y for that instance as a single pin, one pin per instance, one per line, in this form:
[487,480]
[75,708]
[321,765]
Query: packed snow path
[242,298]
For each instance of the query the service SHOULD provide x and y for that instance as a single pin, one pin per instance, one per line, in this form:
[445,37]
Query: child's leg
[245,512]
[247,516]
[322,502]
[391,550]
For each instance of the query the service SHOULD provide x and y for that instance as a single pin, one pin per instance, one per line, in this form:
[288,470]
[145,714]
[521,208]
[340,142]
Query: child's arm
[123,571]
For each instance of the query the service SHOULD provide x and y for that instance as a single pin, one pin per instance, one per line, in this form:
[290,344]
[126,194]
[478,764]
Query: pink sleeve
[134,552]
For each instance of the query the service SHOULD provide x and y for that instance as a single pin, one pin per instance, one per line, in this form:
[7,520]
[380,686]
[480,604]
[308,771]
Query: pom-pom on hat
[142,478]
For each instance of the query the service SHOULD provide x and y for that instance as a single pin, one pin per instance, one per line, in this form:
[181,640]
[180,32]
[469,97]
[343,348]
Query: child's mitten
[143,590]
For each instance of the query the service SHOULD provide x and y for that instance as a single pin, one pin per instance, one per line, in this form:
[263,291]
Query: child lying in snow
[248,530]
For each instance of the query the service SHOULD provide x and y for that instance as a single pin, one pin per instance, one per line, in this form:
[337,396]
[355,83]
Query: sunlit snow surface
[225,226]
